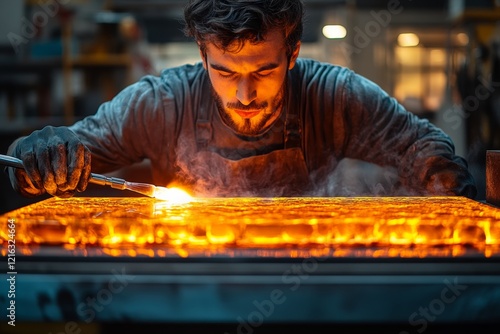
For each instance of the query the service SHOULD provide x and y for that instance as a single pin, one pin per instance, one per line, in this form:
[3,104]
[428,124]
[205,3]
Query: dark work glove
[450,178]
[55,161]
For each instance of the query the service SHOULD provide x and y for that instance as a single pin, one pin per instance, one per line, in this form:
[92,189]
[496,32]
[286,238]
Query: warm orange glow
[408,39]
[391,226]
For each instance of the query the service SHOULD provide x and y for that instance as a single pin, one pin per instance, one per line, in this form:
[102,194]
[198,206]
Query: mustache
[252,106]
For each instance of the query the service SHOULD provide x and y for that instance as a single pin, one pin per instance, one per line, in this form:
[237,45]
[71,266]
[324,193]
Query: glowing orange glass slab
[339,222]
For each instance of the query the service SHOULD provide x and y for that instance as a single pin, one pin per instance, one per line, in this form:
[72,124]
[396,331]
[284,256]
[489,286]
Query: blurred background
[60,59]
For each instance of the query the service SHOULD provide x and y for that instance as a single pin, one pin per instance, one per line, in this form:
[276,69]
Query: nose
[246,91]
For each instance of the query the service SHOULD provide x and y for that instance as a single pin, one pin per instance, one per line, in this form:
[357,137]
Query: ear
[294,56]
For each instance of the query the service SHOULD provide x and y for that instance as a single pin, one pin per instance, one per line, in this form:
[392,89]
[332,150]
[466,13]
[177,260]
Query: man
[251,119]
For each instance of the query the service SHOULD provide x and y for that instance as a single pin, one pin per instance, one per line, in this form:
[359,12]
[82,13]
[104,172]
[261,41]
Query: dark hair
[231,23]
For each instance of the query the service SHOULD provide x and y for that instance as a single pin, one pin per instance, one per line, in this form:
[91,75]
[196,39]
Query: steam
[210,176]
[350,178]
[218,178]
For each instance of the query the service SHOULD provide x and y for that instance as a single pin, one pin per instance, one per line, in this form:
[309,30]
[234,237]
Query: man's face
[249,84]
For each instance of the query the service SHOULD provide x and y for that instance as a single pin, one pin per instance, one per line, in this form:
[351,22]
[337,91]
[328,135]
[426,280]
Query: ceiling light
[408,39]
[334,31]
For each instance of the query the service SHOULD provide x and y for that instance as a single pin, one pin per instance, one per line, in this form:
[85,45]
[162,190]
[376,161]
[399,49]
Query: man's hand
[449,178]
[55,161]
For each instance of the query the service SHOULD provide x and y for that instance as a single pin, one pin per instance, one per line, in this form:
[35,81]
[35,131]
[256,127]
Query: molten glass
[385,223]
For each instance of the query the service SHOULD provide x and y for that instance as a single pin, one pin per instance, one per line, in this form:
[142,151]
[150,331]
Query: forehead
[272,48]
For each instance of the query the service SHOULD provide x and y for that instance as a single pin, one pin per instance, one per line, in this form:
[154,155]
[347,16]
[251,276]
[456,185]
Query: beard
[251,127]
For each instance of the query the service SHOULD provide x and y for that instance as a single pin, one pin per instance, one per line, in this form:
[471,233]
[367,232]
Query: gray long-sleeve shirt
[343,115]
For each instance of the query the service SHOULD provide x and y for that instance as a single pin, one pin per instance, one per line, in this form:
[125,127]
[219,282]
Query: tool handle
[11,161]
[113,182]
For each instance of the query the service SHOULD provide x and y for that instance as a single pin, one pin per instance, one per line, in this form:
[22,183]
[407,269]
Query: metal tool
[114,182]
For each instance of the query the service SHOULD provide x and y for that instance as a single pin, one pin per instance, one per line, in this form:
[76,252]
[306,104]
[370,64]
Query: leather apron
[280,173]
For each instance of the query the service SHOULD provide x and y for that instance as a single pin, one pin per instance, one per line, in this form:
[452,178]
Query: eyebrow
[266,67]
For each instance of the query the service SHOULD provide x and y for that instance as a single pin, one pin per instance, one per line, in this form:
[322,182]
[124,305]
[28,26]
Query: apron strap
[293,133]
[204,131]
[293,128]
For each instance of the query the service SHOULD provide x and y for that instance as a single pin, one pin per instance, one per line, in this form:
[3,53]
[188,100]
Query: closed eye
[263,74]
[225,74]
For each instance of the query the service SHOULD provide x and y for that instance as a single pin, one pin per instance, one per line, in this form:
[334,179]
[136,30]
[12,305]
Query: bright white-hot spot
[334,31]
[173,195]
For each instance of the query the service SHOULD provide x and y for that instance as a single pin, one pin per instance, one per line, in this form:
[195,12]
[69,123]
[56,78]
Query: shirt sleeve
[382,131]
[126,129]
